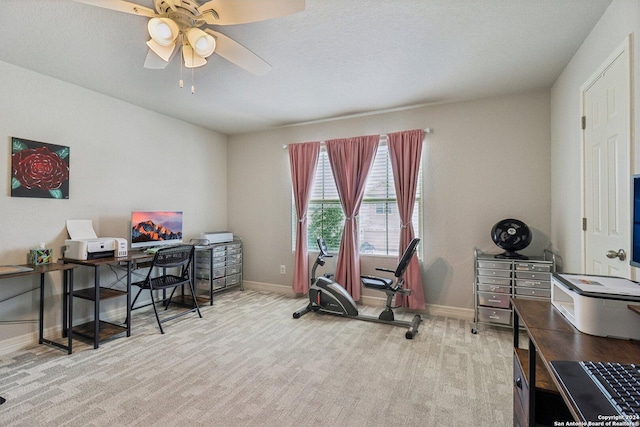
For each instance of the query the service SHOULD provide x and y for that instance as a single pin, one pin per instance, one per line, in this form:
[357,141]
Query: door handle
[619,254]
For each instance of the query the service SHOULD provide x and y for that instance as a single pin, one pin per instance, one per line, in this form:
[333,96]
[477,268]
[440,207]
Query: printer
[84,244]
[598,305]
[101,247]
[214,237]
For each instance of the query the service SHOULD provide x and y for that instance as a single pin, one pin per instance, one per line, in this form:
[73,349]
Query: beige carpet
[249,363]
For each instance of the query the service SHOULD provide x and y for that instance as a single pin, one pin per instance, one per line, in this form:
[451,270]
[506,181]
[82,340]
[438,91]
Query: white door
[607,159]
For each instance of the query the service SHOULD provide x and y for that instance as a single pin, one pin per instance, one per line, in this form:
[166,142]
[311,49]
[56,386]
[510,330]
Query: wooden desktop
[554,338]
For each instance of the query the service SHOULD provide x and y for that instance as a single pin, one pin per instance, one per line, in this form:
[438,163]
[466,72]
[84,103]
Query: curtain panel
[405,151]
[303,159]
[351,160]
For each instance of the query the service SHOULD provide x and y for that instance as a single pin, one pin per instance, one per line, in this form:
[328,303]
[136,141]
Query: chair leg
[133,303]
[136,298]
[155,310]
[167,301]
[195,300]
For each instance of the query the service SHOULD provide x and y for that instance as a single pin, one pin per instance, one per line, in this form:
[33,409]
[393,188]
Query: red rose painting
[39,169]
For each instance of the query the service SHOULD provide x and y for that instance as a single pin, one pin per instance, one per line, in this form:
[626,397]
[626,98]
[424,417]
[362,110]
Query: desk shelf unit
[497,280]
[98,329]
[106,329]
[218,267]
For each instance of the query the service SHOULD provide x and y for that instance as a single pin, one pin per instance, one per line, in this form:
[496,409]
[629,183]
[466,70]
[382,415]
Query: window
[378,221]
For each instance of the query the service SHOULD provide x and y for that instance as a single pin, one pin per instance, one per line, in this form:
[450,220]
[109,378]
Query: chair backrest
[406,257]
[174,256]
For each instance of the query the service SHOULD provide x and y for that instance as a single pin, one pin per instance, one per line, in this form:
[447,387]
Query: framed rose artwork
[39,169]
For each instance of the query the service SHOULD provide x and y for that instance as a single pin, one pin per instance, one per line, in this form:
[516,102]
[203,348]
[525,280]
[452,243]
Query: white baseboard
[21,342]
[54,333]
[29,340]
[431,309]
[269,287]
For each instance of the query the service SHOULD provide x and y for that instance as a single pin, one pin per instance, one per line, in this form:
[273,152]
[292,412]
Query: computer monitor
[155,228]
[635,224]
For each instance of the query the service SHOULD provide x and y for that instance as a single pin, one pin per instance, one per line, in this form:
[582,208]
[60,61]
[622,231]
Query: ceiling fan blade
[231,12]
[159,56]
[154,62]
[121,6]
[234,52]
[173,3]
[164,52]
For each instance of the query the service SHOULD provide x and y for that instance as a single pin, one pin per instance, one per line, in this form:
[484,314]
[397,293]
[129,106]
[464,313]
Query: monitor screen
[155,228]
[635,225]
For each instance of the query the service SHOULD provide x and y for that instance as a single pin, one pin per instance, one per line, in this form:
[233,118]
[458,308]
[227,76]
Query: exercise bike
[327,296]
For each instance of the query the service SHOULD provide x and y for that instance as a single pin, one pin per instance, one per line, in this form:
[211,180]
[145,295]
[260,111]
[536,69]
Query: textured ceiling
[336,58]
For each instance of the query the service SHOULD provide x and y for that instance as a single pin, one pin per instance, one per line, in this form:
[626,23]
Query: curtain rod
[426,130]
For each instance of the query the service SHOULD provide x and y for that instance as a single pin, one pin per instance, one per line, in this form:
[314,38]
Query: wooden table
[98,330]
[67,300]
[67,275]
[552,337]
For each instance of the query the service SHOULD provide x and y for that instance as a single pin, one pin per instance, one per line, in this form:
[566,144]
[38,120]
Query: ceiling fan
[181,25]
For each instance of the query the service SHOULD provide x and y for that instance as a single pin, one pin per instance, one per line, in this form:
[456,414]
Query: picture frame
[39,169]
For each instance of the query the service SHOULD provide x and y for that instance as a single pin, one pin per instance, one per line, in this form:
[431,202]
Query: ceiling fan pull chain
[181,84]
[193,82]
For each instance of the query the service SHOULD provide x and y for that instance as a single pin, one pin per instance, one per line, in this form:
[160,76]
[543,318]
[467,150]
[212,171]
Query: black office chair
[174,257]
[387,285]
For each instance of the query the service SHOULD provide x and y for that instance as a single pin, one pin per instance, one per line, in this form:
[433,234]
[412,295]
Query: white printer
[84,244]
[214,237]
[101,247]
[598,305]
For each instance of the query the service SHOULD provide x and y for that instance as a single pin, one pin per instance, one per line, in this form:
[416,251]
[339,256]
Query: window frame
[388,201]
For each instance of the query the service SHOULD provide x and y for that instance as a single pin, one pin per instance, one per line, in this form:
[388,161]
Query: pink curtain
[350,160]
[303,159]
[405,149]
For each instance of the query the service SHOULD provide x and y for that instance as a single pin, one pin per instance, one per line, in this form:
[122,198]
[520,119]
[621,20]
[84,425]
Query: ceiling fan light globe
[163,52]
[191,60]
[202,43]
[163,31]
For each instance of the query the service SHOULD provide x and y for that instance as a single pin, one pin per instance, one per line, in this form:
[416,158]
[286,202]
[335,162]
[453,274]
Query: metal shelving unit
[497,280]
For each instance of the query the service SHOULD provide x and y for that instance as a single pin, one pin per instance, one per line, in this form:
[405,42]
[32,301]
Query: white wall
[486,160]
[122,158]
[620,20]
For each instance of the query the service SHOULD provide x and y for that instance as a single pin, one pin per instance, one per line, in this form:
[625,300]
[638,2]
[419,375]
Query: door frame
[625,48]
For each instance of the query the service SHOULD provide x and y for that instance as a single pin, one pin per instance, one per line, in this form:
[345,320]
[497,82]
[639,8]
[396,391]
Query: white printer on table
[84,244]
[598,305]
[214,237]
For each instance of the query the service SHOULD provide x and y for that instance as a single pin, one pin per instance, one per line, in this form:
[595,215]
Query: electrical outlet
[283,269]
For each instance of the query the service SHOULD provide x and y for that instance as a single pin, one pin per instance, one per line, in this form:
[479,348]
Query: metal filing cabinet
[218,267]
[497,280]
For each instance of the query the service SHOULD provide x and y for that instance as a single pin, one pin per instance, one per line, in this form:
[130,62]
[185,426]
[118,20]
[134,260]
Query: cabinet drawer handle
[519,382]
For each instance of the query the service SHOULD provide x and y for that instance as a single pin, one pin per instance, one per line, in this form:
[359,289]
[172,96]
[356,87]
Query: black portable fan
[511,235]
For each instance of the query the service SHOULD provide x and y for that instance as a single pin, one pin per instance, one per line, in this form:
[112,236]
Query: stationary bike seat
[379,283]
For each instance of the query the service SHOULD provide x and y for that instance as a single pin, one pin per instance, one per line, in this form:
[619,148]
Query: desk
[98,329]
[67,279]
[552,337]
